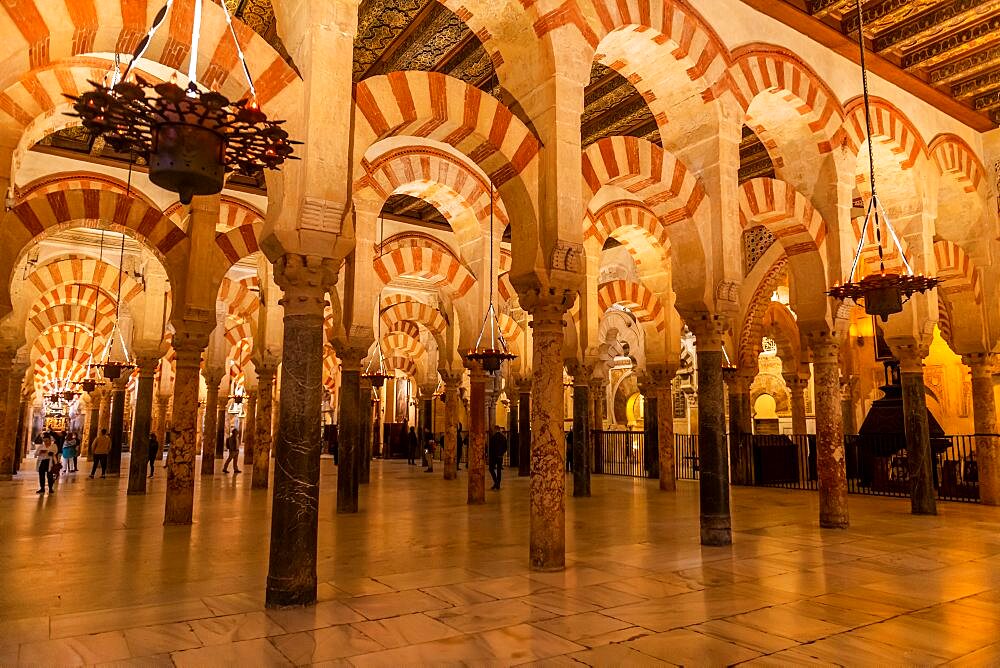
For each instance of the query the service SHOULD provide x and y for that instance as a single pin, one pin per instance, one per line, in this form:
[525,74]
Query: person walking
[411,446]
[154,453]
[497,449]
[458,447]
[70,451]
[429,454]
[99,451]
[45,454]
[233,445]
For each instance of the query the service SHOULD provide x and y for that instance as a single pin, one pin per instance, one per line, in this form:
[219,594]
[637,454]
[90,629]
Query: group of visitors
[495,451]
[56,453]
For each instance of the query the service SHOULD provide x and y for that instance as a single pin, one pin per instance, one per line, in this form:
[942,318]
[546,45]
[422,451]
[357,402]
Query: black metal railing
[620,453]
[686,456]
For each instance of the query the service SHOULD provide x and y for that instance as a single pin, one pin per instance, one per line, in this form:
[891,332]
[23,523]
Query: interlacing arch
[405,326]
[640,232]
[646,307]
[40,320]
[418,313]
[749,342]
[403,364]
[87,296]
[419,256]
[956,270]
[62,335]
[240,297]
[953,156]
[764,68]
[77,271]
[403,344]
[80,180]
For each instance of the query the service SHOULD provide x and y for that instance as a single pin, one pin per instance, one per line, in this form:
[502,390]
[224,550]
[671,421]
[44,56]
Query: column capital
[981,364]
[824,345]
[146,365]
[547,306]
[581,372]
[452,379]
[305,280]
[911,356]
[524,385]
[598,383]
[708,328]
[795,381]
[661,375]
[213,377]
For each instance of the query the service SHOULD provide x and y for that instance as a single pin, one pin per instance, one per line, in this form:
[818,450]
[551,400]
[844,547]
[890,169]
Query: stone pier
[831,462]
[181,456]
[142,426]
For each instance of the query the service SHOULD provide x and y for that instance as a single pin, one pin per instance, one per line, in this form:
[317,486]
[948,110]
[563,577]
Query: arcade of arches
[656,194]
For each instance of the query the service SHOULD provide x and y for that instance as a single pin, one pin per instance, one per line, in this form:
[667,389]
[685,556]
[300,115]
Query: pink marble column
[661,377]
[262,427]
[831,462]
[181,456]
[547,542]
[524,429]
[984,416]
[452,383]
[581,373]
[477,435]
[923,499]
[249,430]
[141,426]
[797,387]
[598,389]
[8,421]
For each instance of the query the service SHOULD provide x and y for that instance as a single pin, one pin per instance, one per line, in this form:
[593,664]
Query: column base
[286,598]
[834,521]
[546,568]
[716,531]
[669,485]
[923,510]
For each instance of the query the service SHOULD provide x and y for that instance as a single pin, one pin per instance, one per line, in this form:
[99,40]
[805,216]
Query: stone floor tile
[458,594]
[513,586]
[327,613]
[687,648]
[491,615]
[908,632]
[578,627]
[454,651]
[75,651]
[258,652]
[981,658]
[233,628]
[122,618]
[647,587]
[26,629]
[405,630]
[751,638]
[431,577]
[617,655]
[560,602]
[850,648]
[787,622]
[360,586]
[524,642]
[158,661]
[379,606]
[326,644]
[161,639]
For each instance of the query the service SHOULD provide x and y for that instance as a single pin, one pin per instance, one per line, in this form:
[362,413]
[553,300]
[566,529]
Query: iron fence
[686,456]
[620,453]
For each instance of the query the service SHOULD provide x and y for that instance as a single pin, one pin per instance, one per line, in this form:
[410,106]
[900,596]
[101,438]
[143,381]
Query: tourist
[458,447]
[429,454]
[70,451]
[569,450]
[45,454]
[154,453]
[497,449]
[99,452]
[233,445]
[412,445]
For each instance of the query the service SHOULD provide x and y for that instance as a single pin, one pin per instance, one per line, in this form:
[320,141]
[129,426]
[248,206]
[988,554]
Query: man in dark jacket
[497,449]
[412,444]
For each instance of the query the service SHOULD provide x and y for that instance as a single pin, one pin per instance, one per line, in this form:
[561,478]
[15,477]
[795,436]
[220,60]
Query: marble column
[716,521]
[181,456]
[547,540]
[220,427]
[349,424]
[8,382]
[581,428]
[104,418]
[94,422]
[21,439]
[797,387]
[660,379]
[918,443]
[524,433]
[141,426]
[651,429]
[378,444]
[740,413]
[161,417]
[452,383]
[598,387]
[210,423]
[513,429]
[984,417]
[117,430]
[367,433]
[477,434]
[831,460]
[262,427]
[848,404]
[249,430]
[291,576]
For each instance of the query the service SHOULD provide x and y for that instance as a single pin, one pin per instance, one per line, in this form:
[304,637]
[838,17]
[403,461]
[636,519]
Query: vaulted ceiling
[951,47]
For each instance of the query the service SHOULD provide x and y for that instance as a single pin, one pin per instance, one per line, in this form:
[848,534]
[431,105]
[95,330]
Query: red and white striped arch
[403,364]
[760,69]
[88,297]
[401,343]
[640,232]
[441,108]
[421,257]
[410,310]
[80,180]
[956,270]
[407,327]
[636,297]
[654,176]
[84,315]
[954,157]
[785,212]
[71,336]
[76,271]
[36,33]
[241,297]
[889,126]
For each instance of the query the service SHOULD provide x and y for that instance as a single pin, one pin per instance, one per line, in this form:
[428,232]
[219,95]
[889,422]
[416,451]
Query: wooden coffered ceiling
[944,51]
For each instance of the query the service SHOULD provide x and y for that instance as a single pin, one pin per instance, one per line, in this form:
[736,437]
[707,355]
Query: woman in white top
[45,454]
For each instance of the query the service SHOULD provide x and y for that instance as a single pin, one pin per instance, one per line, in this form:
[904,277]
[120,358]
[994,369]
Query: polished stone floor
[417,578]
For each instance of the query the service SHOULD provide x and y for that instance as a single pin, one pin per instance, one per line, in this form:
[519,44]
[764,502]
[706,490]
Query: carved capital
[305,280]
[825,346]
[982,365]
[708,329]
[547,306]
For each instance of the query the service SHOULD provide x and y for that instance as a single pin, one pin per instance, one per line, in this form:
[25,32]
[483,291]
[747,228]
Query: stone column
[210,424]
[104,421]
[117,431]
[163,409]
[249,430]
[378,444]
[797,394]
[291,576]
[220,427]
[847,405]
[716,522]
[659,378]
[183,425]
[262,426]
[452,383]
[513,429]
[918,442]
[984,416]
[524,433]
[367,433]
[349,424]
[581,374]
[650,428]
[141,426]
[547,542]
[831,461]
[598,387]
[9,384]
[95,420]
[477,434]
[21,439]
[740,413]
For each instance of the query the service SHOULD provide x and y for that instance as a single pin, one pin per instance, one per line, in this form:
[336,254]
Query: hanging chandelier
[111,368]
[491,349]
[376,371]
[189,138]
[882,293]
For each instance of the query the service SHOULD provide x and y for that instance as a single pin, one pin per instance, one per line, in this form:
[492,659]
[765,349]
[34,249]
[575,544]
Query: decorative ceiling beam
[968,66]
[957,44]
[820,8]
[940,21]
[883,15]
[977,85]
